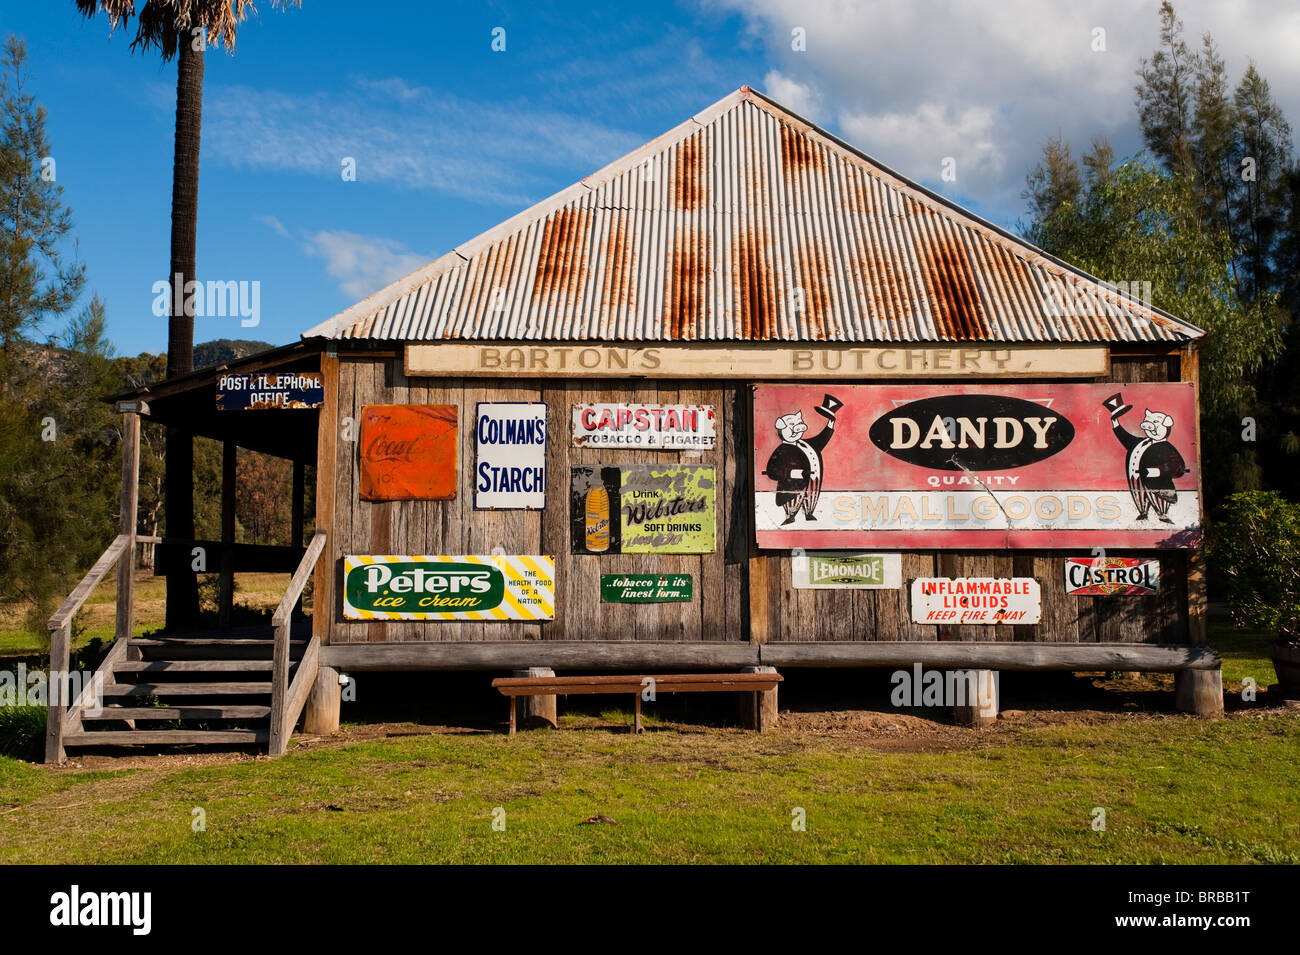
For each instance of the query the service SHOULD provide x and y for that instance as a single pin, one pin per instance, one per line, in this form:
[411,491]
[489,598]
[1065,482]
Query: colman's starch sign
[976,465]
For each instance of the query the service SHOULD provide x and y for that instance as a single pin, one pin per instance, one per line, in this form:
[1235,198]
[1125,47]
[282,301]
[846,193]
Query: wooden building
[742,398]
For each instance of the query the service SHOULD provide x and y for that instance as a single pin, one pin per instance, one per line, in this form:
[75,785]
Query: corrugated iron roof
[747,223]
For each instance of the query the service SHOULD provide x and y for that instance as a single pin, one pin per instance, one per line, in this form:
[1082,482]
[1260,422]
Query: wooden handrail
[60,626]
[280,656]
[88,583]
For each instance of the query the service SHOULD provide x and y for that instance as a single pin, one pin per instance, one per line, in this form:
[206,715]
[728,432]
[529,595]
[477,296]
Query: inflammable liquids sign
[644,426]
[466,587]
[976,465]
[976,600]
[510,455]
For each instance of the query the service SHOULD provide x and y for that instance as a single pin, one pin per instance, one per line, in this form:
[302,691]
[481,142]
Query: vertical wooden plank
[348,488]
[759,618]
[327,440]
[1197,600]
[736,454]
[296,504]
[128,504]
[1061,612]
[226,598]
[374,516]
[555,518]
[397,392]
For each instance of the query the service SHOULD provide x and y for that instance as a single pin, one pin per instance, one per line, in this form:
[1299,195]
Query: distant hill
[224,350]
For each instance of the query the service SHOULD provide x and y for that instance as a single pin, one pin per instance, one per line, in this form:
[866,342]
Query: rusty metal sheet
[747,223]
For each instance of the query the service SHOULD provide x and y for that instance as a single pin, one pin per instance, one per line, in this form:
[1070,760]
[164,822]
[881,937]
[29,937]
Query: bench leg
[538,708]
[511,731]
[636,713]
[758,711]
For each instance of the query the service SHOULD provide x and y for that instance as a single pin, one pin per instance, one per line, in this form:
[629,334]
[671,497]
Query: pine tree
[37,282]
[1166,96]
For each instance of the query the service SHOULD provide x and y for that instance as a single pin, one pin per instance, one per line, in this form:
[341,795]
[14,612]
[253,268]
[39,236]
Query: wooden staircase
[188,690]
[230,688]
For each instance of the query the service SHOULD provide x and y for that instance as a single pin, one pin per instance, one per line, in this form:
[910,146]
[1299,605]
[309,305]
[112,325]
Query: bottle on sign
[597,520]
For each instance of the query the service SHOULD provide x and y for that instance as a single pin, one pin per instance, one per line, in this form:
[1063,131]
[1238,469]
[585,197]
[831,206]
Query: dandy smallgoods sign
[846,571]
[270,390]
[976,465]
[976,600]
[645,588]
[408,452]
[1111,576]
[467,587]
[642,509]
[644,426]
[510,455]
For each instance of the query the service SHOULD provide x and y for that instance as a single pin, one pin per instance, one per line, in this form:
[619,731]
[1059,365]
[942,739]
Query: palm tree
[180,30]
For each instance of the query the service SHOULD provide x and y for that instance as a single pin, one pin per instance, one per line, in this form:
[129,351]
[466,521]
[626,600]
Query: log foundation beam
[320,717]
[1199,692]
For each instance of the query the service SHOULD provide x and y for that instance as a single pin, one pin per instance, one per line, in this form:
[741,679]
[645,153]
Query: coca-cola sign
[408,452]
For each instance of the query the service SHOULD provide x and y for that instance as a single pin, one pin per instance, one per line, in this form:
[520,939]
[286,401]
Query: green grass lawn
[253,593]
[1175,789]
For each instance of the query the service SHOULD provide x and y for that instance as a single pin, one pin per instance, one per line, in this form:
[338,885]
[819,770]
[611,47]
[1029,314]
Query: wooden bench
[513,687]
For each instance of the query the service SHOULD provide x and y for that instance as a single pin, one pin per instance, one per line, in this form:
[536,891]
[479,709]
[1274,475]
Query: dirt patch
[885,731]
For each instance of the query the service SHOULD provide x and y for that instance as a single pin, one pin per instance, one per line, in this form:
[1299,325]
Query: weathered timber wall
[720,610]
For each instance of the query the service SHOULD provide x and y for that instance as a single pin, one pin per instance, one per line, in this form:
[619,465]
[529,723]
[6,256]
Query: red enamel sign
[978,465]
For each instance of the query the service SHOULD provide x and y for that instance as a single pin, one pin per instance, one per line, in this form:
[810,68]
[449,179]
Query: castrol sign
[982,465]
[976,600]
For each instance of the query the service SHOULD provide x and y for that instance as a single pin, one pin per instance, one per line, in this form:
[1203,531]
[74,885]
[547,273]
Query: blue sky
[450,137]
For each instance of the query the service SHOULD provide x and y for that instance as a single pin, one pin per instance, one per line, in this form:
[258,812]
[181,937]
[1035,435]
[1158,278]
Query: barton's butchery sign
[510,455]
[976,465]
[1112,576]
[642,426]
[976,600]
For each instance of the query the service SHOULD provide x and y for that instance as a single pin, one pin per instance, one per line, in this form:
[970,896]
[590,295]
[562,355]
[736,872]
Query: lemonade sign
[466,587]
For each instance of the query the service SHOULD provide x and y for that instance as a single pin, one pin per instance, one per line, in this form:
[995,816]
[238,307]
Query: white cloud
[362,264]
[275,225]
[410,137]
[923,139]
[987,83]
[802,98]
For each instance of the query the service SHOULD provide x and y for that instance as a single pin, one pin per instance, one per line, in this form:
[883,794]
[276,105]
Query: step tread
[186,689]
[197,711]
[164,737]
[191,666]
[208,642]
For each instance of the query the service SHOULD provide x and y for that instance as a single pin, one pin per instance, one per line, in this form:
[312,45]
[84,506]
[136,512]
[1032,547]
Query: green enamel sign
[645,588]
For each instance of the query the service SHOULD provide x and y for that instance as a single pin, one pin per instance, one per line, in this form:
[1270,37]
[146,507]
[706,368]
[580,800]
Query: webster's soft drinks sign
[979,465]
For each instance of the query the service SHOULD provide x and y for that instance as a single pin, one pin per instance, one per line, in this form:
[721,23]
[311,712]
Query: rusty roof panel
[746,223]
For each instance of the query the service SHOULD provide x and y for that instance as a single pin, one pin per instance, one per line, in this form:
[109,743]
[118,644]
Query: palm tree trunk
[182,584]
